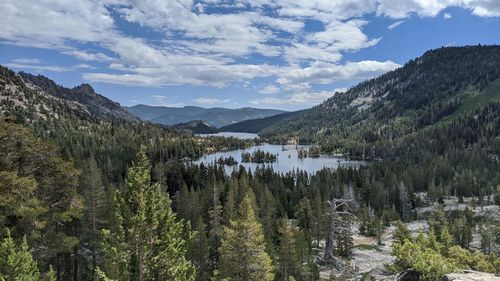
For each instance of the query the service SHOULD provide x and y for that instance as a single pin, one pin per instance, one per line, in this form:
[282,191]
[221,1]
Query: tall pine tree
[243,248]
[147,243]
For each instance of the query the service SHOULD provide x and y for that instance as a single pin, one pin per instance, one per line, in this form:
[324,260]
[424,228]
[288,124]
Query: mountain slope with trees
[216,116]
[256,125]
[443,83]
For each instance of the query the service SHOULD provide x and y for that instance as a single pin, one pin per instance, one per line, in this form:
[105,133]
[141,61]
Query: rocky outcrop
[97,105]
[470,275]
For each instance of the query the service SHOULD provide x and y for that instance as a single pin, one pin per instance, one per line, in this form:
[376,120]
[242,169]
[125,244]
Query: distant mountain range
[216,116]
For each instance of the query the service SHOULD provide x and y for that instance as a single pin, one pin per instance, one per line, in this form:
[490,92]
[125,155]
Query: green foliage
[288,259]
[243,250]
[402,233]
[147,243]
[432,259]
[17,263]
[38,194]
[50,275]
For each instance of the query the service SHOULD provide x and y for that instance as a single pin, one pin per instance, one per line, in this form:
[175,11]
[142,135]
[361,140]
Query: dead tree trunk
[338,208]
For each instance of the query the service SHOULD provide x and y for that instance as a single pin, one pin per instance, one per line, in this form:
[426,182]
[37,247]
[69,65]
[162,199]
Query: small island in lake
[313,152]
[258,156]
[229,161]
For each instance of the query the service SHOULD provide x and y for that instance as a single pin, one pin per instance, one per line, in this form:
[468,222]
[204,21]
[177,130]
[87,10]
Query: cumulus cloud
[304,98]
[199,47]
[431,8]
[326,73]
[86,56]
[270,89]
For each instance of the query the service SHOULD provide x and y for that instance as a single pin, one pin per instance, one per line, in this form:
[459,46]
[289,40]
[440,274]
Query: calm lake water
[288,159]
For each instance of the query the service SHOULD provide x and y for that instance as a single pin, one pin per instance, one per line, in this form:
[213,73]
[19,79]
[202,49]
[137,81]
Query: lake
[287,161]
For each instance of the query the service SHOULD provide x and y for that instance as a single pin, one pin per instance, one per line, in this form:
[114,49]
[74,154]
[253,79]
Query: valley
[397,176]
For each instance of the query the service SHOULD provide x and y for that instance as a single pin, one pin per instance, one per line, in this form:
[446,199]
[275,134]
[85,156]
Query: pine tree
[215,223]
[288,263]
[50,275]
[17,263]
[147,243]
[94,218]
[402,233]
[198,250]
[318,214]
[230,204]
[243,250]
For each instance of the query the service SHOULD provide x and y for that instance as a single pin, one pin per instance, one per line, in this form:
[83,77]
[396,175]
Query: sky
[284,54]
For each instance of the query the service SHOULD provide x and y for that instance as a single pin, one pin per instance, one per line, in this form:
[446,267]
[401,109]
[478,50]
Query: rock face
[470,275]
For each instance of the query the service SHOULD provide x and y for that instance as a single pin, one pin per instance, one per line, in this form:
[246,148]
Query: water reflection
[287,159]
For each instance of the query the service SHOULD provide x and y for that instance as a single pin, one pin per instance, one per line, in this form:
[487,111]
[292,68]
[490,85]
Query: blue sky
[286,54]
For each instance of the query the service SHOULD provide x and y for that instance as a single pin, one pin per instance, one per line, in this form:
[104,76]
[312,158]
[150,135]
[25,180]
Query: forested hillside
[257,125]
[442,85]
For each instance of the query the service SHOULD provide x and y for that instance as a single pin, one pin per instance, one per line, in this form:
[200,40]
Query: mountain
[436,91]
[197,127]
[217,116]
[84,95]
[83,123]
[256,125]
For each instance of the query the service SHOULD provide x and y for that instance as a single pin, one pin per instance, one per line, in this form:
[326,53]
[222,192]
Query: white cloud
[36,65]
[270,89]
[83,55]
[27,61]
[301,99]
[53,23]
[326,73]
[215,49]
[210,101]
[431,8]
[395,24]
[163,101]
[447,16]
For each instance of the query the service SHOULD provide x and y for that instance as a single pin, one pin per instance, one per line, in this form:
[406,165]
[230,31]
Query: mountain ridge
[97,105]
[400,102]
[216,116]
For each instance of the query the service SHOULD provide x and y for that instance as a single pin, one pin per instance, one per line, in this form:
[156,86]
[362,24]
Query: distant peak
[84,89]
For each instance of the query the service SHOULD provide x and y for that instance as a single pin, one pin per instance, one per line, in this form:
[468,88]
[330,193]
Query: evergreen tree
[94,218]
[38,197]
[17,263]
[243,249]
[50,275]
[402,233]
[288,264]
[215,223]
[198,250]
[147,243]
